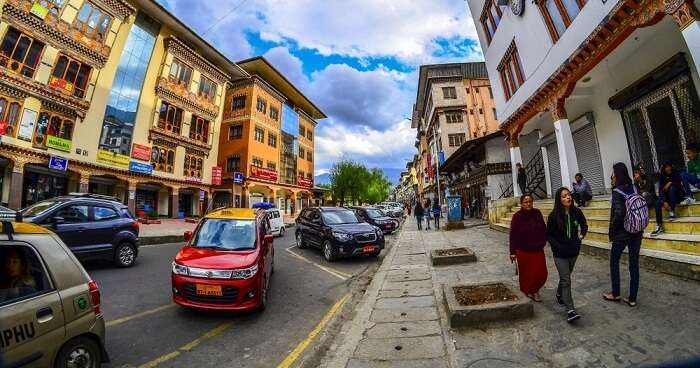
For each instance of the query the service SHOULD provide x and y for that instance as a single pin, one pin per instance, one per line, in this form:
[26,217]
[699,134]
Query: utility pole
[437,165]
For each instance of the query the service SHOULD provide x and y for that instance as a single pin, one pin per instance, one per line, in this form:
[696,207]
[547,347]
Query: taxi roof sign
[233,213]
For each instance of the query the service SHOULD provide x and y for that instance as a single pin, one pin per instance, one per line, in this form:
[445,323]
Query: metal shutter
[588,157]
[554,167]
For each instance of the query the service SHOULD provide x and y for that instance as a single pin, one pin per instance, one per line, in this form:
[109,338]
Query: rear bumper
[182,293]
[353,248]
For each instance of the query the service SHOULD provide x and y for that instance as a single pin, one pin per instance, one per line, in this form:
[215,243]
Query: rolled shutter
[554,167]
[588,157]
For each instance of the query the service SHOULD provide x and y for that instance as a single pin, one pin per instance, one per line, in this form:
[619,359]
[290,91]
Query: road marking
[294,355]
[187,347]
[339,274]
[119,321]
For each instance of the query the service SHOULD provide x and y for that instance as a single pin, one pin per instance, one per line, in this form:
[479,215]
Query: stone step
[681,225]
[692,210]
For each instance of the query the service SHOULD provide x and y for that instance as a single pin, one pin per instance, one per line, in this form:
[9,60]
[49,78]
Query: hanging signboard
[263,173]
[113,159]
[216,175]
[140,167]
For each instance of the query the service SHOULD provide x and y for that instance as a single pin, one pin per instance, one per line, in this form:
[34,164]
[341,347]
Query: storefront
[41,183]
[147,198]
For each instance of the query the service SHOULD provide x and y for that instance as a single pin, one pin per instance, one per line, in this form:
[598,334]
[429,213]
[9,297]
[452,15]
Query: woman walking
[620,235]
[528,236]
[436,214]
[428,214]
[566,227]
[418,212]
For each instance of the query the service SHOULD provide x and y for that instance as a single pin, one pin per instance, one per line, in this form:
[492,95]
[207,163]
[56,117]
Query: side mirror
[188,235]
[57,220]
[268,238]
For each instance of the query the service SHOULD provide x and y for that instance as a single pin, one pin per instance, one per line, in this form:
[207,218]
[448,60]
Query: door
[664,132]
[31,311]
[315,224]
[73,229]
[105,225]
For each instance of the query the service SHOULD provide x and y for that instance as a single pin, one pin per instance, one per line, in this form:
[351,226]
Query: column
[245,197]
[175,201]
[686,16]
[84,186]
[131,197]
[294,204]
[515,158]
[16,185]
[565,147]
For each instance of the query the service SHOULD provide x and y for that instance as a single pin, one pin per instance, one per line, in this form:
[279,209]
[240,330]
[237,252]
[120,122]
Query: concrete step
[682,225]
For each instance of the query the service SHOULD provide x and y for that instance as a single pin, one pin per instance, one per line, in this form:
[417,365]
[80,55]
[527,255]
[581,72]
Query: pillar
[131,197]
[175,201]
[84,186]
[245,197]
[686,16]
[565,147]
[515,158]
[16,185]
[294,204]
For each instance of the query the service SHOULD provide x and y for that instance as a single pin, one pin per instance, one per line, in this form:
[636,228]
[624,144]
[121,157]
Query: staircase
[536,178]
[677,251]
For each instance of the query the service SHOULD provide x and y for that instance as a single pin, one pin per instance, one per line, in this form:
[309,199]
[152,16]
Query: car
[338,233]
[390,211]
[276,222]
[50,308]
[92,226]
[226,263]
[373,216]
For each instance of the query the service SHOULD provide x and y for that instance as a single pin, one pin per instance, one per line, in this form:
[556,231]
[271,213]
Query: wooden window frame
[309,135]
[257,161]
[167,124]
[176,77]
[235,106]
[450,117]
[231,136]
[199,129]
[274,113]
[210,95]
[233,168]
[302,131]
[486,19]
[272,166]
[193,166]
[93,33]
[302,153]
[53,119]
[54,8]
[163,159]
[449,96]
[272,140]
[261,105]
[259,135]
[15,64]
[309,156]
[78,89]
[457,139]
[509,65]
[6,104]
[566,18]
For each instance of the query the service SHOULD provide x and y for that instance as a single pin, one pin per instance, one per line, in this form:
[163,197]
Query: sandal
[631,303]
[611,298]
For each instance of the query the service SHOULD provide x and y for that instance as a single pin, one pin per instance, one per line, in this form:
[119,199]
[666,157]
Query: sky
[357,60]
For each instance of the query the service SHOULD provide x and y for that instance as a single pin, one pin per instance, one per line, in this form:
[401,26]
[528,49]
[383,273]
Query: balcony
[178,94]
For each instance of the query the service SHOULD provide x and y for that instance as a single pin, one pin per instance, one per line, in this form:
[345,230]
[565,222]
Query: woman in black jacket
[418,212]
[566,227]
[621,238]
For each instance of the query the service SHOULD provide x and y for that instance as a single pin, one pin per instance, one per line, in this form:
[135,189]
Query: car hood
[215,259]
[383,218]
[353,228]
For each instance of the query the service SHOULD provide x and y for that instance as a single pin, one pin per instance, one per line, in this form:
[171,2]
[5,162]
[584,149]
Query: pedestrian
[428,214]
[528,236]
[670,195]
[566,227]
[418,212]
[645,185]
[436,214]
[408,206]
[582,191]
[475,207]
[465,207]
[629,216]
[692,175]
[522,178]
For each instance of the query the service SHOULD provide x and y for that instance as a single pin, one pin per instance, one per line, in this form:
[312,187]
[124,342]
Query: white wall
[497,151]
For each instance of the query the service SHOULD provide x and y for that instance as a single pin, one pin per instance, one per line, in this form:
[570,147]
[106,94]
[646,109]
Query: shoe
[657,231]
[671,216]
[572,316]
[688,201]
[559,299]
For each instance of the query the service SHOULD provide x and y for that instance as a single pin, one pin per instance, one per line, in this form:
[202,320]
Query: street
[146,329]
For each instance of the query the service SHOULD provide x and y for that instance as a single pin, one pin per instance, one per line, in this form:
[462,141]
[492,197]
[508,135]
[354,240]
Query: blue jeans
[688,180]
[616,251]
[672,196]
[419,220]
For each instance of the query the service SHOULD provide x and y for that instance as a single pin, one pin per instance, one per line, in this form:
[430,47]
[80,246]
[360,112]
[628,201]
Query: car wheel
[300,240]
[375,254]
[79,352]
[282,231]
[328,253]
[263,295]
[125,255]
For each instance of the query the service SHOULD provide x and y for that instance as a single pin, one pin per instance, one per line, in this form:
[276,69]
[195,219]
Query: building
[268,136]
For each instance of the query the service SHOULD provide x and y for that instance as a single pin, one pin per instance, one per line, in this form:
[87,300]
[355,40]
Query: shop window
[20,53]
[93,22]
[199,129]
[235,132]
[272,140]
[170,118]
[163,159]
[238,103]
[456,140]
[510,72]
[233,164]
[257,161]
[259,135]
[274,113]
[32,279]
[490,17]
[70,76]
[207,88]
[272,165]
[559,14]
[193,166]
[449,93]
[262,105]
[180,73]
[9,113]
[309,156]
[454,117]
[52,124]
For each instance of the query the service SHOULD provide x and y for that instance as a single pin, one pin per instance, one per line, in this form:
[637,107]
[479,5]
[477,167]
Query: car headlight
[244,273]
[179,269]
[342,236]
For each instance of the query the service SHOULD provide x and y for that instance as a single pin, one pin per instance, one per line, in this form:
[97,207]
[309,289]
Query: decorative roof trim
[182,51]
[40,91]
[117,8]
[10,91]
[166,91]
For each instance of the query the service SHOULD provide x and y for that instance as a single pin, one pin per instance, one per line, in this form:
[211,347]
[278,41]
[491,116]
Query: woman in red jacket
[527,240]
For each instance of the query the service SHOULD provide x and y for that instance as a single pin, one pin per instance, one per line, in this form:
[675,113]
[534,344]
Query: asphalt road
[146,329]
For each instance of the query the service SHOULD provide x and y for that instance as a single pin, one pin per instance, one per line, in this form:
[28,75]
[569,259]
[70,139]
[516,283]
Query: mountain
[392,174]
[322,179]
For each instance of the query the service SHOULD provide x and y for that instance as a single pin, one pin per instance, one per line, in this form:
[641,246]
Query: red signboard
[263,173]
[3,127]
[61,84]
[141,152]
[216,175]
[304,182]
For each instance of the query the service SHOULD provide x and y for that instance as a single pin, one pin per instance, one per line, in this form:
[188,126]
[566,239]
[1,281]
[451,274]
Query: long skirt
[532,269]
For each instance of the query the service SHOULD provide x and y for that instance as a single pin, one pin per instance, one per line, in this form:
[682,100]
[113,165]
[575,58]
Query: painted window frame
[487,19]
[199,129]
[193,166]
[236,102]
[510,65]
[175,74]
[235,128]
[6,109]
[207,88]
[23,66]
[261,105]
[272,139]
[230,167]
[175,125]
[79,89]
[274,113]
[259,134]
[563,13]
[163,159]
[84,27]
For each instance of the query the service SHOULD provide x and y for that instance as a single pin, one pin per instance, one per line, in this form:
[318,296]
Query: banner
[141,152]
[304,182]
[216,175]
[263,173]
[58,143]
[26,125]
[113,159]
[140,167]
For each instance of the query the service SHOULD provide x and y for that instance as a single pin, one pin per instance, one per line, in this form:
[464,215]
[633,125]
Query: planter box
[515,306]
[450,256]
[148,221]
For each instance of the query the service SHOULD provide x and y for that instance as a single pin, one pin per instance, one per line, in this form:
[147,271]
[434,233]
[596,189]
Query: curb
[164,239]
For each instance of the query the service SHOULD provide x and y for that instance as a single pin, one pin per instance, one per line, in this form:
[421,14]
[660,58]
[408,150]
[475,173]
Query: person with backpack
[629,216]
[566,228]
[418,212]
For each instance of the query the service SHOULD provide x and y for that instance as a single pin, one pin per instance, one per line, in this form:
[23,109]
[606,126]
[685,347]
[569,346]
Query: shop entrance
[41,184]
[185,203]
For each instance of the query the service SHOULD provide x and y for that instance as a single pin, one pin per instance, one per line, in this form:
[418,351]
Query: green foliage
[152,215]
[352,181]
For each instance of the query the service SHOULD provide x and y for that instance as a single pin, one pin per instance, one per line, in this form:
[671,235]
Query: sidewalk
[401,321]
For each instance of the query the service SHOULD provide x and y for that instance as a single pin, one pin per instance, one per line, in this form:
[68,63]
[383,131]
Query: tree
[354,182]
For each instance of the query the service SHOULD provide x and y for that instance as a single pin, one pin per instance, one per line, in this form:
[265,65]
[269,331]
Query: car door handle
[44,315]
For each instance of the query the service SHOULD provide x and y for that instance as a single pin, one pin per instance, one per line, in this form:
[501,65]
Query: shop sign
[201,195]
[141,152]
[304,182]
[238,177]
[113,159]
[58,163]
[216,175]
[58,143]
[62,84]
[140,167]
[26,126]
[263,173]
[193,179]
[39,10]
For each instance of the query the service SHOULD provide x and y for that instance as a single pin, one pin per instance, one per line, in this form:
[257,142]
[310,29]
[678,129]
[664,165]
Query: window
[73,214]
[193,166]
[180,73]
[235,132]
[257,161]
[262,105]
[259,135]
[170,118]
[309,135]
[93,22]
[233,164]
[104,213]
[163,159]
[274,113]
[471,111]
[481,111]
[495,117]
[559,14]
[33,279]
[490,17]
[199,129]
[20,52]
[467,90]
[9,113]
[309,156]
[309,176]
[454,117]
[301,173]
[272,139]
[456,140]
[490,92]
[449,93]
[70,76]
[302,131]
[238,103]
[510,71]
[272,165]
[51,6]
[50,123]
[207,88]
[302,153]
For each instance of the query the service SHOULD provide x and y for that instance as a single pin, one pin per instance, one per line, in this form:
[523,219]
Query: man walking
[522,178]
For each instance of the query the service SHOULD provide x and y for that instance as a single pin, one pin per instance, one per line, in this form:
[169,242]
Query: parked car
[92,226]
[276,222]
[390,211]
[227,262]
[373,216]
[49,306]
[338,233]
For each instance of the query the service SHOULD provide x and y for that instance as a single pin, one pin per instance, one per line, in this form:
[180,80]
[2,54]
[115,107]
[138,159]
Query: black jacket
[522,176]
[618,210]
[418,211]
[567,245]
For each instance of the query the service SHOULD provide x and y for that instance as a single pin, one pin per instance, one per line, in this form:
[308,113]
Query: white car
[276,222]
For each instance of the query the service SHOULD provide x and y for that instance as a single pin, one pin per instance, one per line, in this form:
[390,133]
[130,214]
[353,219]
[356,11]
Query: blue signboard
[58,163]
[441,158]
[238,177]
[140,167]
[454,208]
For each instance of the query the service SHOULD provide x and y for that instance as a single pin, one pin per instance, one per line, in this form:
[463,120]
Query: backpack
[637,214]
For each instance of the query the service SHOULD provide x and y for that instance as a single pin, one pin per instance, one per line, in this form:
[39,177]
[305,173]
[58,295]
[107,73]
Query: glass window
[339,217]
[257,162]
[93,22]
[290,121]
[555,17]
[259,135]
[180,73]
[233,164]
[225,234]
[238,103]
[262,105]
[449,93]
[20,53]
[309,156]
[163,159]
[73,214]
[572,8]
[274,113]
[235,132]
[272,165]
[9,112]
[104,213]
[170,118]
[24,276]
[207,88]
[50,123]
[193,166]
[199,129]
[73,74]
[309,135]
[272,139]
[39,208]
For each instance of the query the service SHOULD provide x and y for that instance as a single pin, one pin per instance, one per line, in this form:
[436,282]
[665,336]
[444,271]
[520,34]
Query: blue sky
[356,59]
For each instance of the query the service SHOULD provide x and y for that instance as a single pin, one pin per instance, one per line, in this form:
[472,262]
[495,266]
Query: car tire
[281,231]
[125,255]
[80,351]
[300,240]
[328,252]
[375,254]
[263,295]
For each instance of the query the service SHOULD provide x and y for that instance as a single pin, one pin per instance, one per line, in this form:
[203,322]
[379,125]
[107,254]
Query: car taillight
[95,297]
[135,225]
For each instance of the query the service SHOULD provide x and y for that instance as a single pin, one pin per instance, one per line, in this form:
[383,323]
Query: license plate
[369,248]
[209,290]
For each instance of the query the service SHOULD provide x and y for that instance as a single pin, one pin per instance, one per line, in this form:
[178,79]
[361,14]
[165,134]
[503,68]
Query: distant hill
[393,174]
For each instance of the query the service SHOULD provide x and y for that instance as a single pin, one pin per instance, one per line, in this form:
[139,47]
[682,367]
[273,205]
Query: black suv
[91,225]
[373,216]
[338,233]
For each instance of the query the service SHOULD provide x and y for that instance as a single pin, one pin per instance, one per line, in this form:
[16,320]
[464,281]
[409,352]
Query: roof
[456,160]
[233,213]
[260,66]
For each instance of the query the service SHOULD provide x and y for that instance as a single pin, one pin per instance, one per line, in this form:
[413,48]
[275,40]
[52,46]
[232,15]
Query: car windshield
[39,208]
[228,234]
[339,217]
[374,213]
